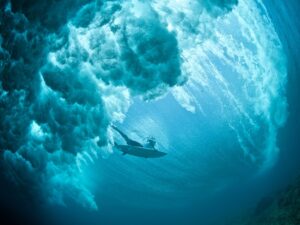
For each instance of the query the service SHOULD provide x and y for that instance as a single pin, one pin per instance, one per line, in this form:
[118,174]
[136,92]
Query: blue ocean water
[230,131]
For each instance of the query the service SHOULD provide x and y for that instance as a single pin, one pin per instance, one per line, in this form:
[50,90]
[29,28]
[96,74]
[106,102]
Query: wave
[66,76]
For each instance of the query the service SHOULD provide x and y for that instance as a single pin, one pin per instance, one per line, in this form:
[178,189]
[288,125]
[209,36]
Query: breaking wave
[70,69]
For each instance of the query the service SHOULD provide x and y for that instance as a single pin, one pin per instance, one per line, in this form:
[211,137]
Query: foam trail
[238,62]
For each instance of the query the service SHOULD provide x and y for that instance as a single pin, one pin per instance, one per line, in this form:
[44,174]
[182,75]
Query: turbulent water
[208,79]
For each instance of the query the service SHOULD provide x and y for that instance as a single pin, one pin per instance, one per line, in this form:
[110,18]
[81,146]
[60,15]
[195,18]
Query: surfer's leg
[126,138]
[121,133]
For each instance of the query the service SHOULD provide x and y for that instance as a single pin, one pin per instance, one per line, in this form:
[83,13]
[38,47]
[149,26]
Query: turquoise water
[214,83]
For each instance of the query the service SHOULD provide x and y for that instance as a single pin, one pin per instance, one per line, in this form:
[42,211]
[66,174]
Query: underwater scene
[147,112]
